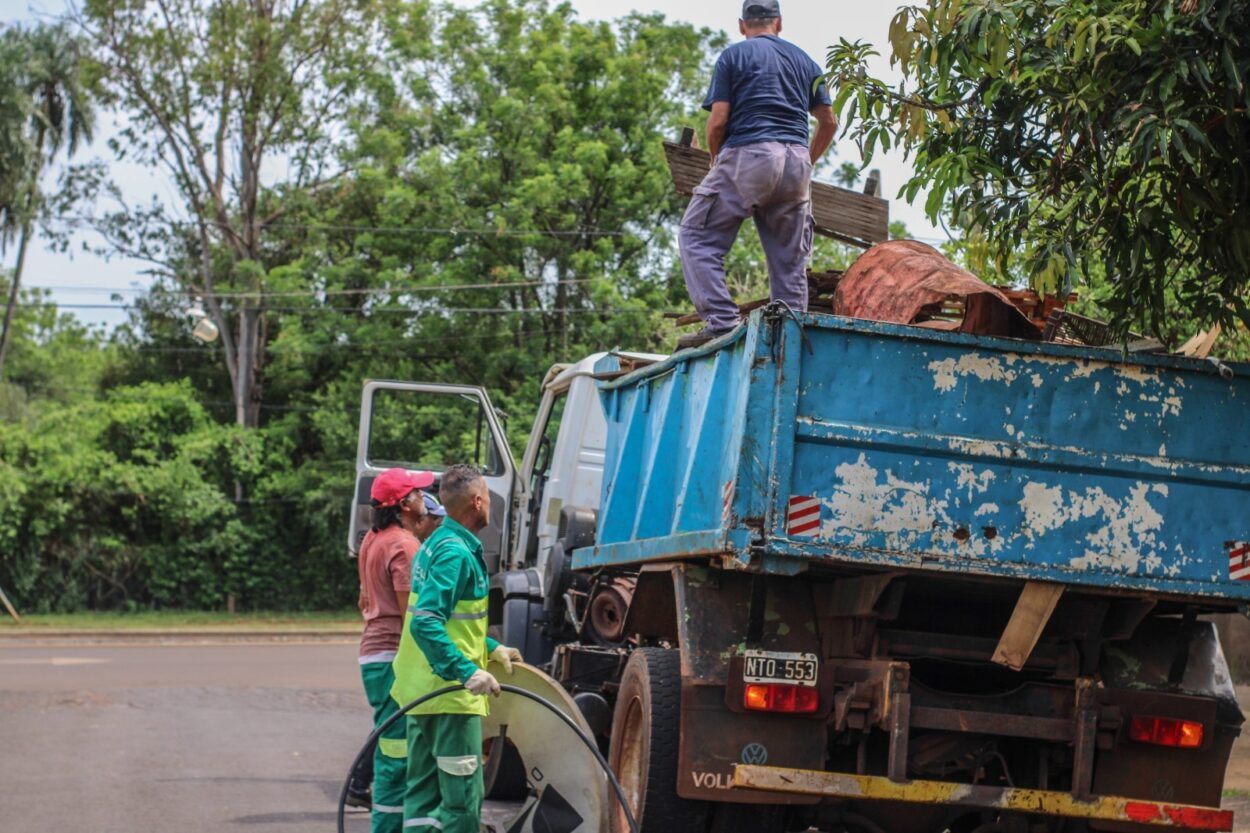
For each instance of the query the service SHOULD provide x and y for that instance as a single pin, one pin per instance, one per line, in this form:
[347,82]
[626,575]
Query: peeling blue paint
[930,450]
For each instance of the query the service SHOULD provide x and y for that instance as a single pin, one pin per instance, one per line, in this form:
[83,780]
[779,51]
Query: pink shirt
[384,565]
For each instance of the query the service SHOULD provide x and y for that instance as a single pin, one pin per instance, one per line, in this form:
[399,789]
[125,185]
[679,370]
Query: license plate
[779,667]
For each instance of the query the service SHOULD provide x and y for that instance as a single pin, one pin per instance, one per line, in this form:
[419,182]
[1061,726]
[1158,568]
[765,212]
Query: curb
[52,637]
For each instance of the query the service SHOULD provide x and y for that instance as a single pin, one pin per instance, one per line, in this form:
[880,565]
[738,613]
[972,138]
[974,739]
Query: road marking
[54,661]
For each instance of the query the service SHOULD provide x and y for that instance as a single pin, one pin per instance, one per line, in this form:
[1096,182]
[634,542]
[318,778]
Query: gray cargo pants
[772,182]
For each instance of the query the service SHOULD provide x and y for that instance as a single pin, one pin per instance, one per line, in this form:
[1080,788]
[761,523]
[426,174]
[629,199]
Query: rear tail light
[778,697]
[1166,731]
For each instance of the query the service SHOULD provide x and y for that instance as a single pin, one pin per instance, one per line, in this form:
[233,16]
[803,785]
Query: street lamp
[202,327]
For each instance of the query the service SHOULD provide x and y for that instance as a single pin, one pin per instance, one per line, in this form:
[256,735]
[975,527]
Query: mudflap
[714,740]
[719,614]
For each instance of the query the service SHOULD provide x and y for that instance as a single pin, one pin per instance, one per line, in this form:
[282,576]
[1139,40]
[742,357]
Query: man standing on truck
[762,91]
[401,520]
[444,641]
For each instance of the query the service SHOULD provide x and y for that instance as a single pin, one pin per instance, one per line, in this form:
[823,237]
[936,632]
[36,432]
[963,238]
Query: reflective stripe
[425,822]
[381,656]
[479,615]
[386,808]
[462,765]
[430,613]
[393,747]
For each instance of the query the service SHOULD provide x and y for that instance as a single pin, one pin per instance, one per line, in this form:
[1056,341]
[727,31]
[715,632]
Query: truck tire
[645,736]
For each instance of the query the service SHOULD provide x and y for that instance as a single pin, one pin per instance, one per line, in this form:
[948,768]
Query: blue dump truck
[831,574]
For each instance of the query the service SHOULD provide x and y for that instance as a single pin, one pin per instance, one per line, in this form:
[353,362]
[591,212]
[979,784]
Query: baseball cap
[433,506]
[393,485]
[760,9]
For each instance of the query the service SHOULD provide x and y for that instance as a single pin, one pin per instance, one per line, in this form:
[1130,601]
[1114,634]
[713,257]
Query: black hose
[367,749]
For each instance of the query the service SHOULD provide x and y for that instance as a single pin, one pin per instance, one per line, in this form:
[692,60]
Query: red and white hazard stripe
[803,515]
[727,502]
[1239,560]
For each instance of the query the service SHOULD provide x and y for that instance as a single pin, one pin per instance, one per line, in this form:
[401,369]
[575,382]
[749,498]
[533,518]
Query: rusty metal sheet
[715,614]
[1033,802]
[992,723]
[653,608]
[895,281]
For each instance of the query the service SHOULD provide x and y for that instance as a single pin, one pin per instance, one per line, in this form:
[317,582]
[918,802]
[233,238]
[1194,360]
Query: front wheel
[646,729]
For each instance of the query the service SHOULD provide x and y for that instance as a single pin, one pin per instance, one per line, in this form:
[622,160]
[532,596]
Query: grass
[173,620]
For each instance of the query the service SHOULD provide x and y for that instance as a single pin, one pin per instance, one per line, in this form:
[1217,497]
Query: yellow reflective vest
[444,637]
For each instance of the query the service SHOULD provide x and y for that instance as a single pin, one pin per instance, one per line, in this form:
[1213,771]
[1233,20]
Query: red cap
[393,485]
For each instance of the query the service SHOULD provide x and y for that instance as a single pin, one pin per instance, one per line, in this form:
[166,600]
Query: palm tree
[42,69]
[15,148]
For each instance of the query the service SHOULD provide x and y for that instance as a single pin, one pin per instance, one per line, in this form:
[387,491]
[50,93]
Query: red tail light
[1166,731]
[777,697]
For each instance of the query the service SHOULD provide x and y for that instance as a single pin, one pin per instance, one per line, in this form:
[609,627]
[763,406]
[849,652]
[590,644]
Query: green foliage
[16,149]
[54,360]
[226,96]
[128,501]
[1102,136]
[502,204]
[48,105]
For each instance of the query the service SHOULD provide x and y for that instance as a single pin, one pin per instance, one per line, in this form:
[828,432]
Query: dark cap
[432,506]
[760,9]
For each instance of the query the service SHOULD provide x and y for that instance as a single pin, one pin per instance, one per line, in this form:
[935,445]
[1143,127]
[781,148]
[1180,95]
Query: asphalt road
[189,738]
[206,737]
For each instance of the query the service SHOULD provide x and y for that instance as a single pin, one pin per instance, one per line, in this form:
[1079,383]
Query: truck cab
[431,426]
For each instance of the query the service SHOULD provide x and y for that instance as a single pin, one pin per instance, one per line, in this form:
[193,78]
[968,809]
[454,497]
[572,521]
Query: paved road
[193,738]
[204,737]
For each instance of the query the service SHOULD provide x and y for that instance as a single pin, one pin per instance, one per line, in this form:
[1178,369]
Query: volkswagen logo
[755,753]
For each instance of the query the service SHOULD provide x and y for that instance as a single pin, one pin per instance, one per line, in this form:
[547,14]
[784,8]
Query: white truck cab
[433,426]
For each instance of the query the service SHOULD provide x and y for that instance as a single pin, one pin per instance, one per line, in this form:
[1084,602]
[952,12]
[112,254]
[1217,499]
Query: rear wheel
[645,736]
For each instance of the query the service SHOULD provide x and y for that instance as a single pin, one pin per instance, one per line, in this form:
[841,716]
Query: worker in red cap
[402,519]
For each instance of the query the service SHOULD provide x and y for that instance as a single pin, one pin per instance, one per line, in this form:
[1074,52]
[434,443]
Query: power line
[304,293]
[401,310]
[450,231]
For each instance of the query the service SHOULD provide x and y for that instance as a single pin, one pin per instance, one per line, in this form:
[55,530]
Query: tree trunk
[244,380]
[7,335]
[23,242]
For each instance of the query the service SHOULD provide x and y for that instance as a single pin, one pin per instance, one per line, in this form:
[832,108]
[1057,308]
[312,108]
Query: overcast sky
[82,278]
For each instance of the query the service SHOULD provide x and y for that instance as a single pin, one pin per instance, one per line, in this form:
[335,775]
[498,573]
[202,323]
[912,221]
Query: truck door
[431,426]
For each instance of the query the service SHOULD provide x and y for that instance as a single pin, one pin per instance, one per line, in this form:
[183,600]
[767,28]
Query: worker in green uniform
[444,642]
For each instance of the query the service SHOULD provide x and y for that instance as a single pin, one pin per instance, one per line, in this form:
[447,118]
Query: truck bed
[812,441]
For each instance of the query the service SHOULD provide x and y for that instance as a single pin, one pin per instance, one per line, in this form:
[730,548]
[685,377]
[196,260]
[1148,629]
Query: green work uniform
[443,642]
[391,753]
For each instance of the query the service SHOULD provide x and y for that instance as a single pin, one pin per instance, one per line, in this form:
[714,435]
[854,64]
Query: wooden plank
[1033,609]
[840,213]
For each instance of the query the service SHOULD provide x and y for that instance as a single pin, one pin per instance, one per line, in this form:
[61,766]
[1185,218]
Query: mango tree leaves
[1079,138]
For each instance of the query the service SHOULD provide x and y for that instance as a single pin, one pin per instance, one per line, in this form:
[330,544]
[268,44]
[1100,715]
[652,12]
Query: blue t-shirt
[771,86]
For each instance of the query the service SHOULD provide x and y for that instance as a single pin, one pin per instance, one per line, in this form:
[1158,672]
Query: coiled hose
[367,749]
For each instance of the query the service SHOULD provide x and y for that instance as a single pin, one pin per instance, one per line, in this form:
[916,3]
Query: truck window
[542,464]
[422,431]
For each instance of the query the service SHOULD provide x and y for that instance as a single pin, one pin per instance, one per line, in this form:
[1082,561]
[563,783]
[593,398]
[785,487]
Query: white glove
[505,656]
[482,683]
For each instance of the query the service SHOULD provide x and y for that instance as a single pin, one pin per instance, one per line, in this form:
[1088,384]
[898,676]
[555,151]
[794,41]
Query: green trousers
[389,758]
[444,774]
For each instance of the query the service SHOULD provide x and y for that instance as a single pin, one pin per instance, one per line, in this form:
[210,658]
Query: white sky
[812,24]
